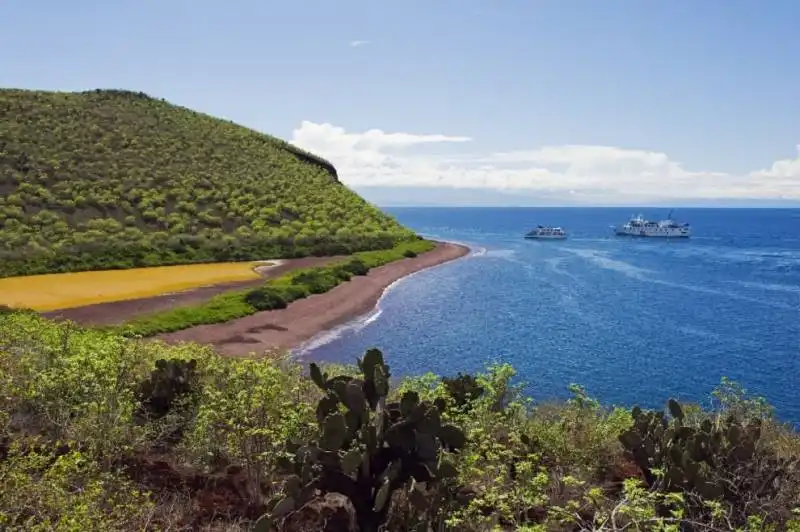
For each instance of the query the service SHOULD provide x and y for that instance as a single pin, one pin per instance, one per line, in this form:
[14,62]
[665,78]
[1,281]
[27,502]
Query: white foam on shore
[330,335]
[360,322]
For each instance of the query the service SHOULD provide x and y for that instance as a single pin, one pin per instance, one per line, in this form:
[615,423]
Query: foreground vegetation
[114,179]
[64,290]
[99,432]
[276,293]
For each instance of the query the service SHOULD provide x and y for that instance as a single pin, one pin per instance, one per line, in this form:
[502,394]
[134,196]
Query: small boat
[639,226]
[545,232]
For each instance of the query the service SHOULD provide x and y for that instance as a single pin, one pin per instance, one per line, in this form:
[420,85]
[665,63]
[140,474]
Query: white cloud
[356,44]
[593,174]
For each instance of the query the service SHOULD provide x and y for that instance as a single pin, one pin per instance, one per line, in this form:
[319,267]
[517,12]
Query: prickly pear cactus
[698,457]
[368,448]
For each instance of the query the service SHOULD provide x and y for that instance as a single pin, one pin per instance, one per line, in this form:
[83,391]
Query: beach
[302,320]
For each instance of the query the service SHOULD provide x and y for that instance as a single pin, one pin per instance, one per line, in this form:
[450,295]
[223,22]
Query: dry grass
[67,290]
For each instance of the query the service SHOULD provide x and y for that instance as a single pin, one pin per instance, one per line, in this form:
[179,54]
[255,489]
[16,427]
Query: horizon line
[598,206]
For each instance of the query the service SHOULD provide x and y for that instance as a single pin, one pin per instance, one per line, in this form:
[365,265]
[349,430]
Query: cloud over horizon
[588,174]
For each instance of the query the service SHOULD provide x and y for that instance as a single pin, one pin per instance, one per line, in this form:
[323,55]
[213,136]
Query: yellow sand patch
[65,290]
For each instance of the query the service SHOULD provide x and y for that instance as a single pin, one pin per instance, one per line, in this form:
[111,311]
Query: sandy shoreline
[307,318]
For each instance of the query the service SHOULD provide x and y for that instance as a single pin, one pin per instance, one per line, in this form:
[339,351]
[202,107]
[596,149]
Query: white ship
[669,228]
[545,232]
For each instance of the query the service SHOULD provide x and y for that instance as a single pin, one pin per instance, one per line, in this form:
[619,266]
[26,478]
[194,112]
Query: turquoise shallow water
[634,321]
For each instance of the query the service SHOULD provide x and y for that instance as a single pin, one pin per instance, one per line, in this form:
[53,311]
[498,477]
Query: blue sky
[524,101]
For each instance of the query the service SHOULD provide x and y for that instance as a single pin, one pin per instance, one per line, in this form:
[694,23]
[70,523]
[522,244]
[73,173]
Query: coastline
[306,319]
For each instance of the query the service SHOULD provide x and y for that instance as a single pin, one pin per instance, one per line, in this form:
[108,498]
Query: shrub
[463,389]
[317,281]
[409,254]
[168,383]
[721,458]
[45,490]
[356,266]
[265,298]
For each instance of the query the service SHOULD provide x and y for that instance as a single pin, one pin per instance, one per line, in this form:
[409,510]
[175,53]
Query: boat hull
[541,237]
[654,234]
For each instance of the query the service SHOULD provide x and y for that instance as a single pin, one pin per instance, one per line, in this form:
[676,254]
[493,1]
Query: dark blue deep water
[634,321]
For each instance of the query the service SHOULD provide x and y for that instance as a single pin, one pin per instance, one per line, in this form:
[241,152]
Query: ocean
[633,321]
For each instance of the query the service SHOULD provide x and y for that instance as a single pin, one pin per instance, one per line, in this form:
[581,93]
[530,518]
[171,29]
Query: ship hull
[653,234]
[540,237]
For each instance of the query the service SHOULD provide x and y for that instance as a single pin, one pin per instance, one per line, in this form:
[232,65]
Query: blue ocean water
[634,321]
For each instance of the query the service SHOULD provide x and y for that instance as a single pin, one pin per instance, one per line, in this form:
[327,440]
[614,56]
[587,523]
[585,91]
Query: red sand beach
[302,320]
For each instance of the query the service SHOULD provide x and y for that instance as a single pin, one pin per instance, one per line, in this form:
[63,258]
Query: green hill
[116,179]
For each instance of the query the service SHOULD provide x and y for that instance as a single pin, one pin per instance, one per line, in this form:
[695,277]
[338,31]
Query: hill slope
[115,179]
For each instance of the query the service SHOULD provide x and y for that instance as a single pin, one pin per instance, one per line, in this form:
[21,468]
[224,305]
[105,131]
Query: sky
[504,102]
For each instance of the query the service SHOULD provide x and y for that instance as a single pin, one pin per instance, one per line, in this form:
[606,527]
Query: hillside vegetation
[102,433]
[113,179]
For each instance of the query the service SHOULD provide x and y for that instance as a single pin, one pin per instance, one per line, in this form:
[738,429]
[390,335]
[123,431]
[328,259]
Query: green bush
[355,267]
[265,298]
[318,281]
[45,490]
[409,254]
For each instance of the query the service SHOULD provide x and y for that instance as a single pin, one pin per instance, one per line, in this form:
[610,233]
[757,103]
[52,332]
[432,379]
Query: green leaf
[263,524]
[391,471]
[452,436]
[351,461]
[372,358]
[447,470]
[292,485]
[427,449]
[326,406]
[340,387]
[381,496]
[355,398]
[675,409]
[283,507]
[381,381]
[631,440]
[430,420]
[316,375]
[400,435]
[408,402]
[334,432]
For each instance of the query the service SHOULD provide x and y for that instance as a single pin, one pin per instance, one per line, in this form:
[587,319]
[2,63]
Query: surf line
[359,322]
